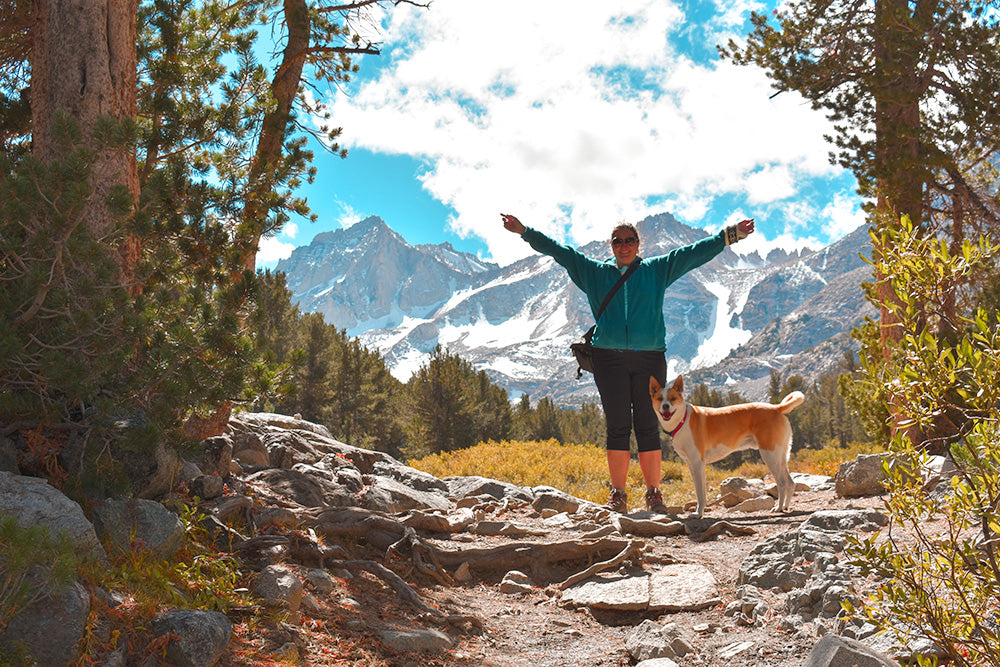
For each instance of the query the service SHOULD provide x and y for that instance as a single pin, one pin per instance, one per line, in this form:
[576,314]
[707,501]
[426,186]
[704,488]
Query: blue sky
[572,115]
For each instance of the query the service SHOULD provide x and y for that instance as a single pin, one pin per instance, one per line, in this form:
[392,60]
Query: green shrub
[197,577]
[937,561]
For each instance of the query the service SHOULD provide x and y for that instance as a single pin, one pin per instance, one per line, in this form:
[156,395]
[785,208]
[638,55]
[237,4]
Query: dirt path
[534,630]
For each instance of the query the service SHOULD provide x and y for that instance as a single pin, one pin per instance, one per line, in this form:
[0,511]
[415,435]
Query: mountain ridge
[728,322]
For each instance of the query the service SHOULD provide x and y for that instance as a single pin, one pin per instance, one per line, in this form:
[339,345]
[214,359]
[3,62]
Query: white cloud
[732,13]
[845,215]
[800,216]
[348,216]
[573,114]
[770,184]
[271,250]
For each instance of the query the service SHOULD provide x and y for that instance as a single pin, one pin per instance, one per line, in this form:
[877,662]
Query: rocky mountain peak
[367,277]
[371,227]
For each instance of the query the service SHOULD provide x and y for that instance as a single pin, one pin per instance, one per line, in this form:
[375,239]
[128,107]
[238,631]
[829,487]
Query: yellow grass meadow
[582,470]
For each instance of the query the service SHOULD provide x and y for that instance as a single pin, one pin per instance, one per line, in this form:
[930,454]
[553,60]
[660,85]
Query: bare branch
[366,3]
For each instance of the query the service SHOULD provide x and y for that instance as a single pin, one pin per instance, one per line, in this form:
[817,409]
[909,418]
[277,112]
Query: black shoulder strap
[621,281]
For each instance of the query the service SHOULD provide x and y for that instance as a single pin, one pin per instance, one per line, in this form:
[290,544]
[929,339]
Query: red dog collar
[681,425]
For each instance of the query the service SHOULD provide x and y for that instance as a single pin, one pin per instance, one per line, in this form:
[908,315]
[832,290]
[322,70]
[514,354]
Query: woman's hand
[512,224]
[745,227]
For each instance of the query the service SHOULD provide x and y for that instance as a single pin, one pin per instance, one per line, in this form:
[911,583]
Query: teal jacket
[634,318]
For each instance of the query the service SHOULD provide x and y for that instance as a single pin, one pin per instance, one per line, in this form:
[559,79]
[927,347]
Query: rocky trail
[356,559]
[533,624]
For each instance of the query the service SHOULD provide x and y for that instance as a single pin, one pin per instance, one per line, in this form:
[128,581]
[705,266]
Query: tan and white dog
[704,435]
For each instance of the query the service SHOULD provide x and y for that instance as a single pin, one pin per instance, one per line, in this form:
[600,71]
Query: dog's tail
[790,402]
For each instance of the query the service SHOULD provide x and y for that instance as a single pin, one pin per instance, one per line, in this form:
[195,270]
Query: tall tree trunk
[899,174]
[83,64]
[268,155]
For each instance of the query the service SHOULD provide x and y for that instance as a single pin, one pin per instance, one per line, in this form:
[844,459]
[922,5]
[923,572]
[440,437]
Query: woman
[630,338]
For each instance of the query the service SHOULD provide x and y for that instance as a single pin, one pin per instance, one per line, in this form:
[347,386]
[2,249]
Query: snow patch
[511,368]
[802,274]
[480,333]
[725,338]
[407,364]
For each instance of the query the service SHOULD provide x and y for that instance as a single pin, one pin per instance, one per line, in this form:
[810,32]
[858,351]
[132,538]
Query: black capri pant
[622,378]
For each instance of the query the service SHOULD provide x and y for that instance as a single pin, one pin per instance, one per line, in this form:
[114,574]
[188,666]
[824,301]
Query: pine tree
[313,378]
[774,387]
[912,90]
[490,407]
[438,421]
[319,40]
[522,425]
[274,318]
[585,425]
[453,407]
[546,420]
[152,152]
[361,411]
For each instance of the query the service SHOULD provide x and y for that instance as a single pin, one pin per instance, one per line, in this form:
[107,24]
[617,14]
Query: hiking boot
[654,500]
[618,501]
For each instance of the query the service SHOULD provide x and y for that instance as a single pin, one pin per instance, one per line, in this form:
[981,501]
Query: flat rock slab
[619,592]
[678,587]
[683,587]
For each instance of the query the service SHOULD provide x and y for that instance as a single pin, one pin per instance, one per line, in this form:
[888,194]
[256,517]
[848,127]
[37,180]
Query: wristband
[733,234]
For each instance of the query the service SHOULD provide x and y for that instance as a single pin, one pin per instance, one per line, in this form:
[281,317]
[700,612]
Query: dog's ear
[654,386]
[679,384]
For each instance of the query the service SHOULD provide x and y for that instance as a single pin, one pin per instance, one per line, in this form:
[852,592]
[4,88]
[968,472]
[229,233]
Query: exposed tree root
[406,592]
[719,527]
[543,560]
[418,550]
[633,550]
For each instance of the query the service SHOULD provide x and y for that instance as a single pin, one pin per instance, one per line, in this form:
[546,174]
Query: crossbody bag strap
[607,299]
[621,281]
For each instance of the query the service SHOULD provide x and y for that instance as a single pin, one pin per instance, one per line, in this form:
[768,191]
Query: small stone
[463,572]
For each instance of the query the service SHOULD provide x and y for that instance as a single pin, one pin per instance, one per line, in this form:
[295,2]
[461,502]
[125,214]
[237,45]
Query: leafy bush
[938,560]
[197,577]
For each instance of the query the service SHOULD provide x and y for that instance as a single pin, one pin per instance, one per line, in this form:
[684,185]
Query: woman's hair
[625,226]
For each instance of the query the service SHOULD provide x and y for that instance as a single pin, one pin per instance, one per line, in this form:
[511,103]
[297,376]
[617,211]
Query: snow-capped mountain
[728,322]
[367,277]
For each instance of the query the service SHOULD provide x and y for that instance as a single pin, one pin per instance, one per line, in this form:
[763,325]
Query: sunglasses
[632,240]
